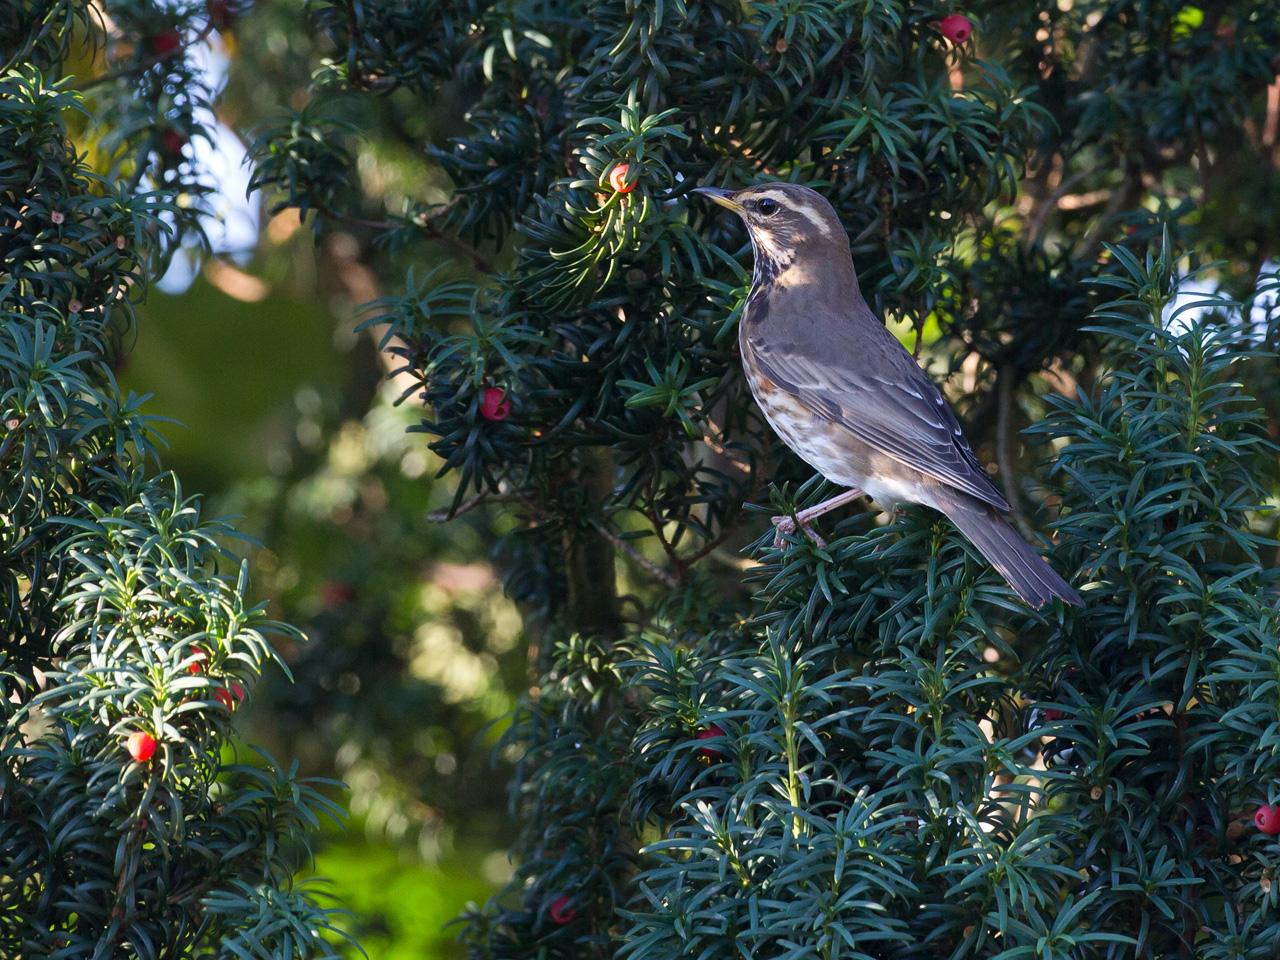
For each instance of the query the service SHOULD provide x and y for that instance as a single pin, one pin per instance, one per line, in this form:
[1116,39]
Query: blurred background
[285,418]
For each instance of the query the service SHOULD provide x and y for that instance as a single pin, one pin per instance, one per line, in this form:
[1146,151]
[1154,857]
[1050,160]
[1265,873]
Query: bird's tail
[1027,572]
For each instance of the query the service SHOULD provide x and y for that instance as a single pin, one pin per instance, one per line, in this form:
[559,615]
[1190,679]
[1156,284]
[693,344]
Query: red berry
[197,664]
[618,178]
[164,42]
[230,696]
[141,746]
[562,910]
[172,142]
[494,404]
[706,753]
[1267,819]
[956,27]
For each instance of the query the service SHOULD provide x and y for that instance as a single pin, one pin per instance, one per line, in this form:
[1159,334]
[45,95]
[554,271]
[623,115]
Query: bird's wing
[867,382]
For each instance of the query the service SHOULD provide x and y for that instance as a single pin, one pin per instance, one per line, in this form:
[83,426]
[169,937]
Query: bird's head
[784,219]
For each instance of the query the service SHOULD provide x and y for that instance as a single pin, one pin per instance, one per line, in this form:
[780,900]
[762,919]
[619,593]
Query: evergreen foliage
[127,826]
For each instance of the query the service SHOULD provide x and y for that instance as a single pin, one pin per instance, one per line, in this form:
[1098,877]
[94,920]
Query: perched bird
[847,397]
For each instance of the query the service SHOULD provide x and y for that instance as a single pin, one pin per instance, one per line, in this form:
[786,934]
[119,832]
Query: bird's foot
[785,526]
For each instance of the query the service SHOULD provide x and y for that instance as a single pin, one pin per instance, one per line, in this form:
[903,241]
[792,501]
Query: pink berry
[494,404]
[165,42]
[172,142]
[562,910]
[707,753]
[1267,819]
[334,593]
[956,27]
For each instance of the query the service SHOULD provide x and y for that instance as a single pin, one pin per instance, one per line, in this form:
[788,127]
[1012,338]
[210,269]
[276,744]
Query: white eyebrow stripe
[777,195]
[800,206]
[816,218]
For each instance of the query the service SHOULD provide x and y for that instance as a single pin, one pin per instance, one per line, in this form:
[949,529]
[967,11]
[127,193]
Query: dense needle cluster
[127,826]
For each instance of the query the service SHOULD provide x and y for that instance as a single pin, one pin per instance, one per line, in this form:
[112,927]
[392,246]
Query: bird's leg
[785,525]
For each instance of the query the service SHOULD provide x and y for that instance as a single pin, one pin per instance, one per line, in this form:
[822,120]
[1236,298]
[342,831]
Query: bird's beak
[722,197]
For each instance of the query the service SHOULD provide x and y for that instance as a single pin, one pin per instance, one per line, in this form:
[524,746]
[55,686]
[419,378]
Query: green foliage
[123,611]
[988,830]
[879,752]
[305,158]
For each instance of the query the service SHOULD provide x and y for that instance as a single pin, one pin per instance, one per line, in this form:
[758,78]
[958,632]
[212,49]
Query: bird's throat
[826,274]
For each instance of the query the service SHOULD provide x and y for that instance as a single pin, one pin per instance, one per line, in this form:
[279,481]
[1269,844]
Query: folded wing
[868,383]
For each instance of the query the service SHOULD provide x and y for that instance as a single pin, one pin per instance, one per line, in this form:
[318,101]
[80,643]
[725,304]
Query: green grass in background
[399,906]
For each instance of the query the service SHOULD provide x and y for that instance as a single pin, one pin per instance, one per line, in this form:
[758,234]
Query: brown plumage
[847,397]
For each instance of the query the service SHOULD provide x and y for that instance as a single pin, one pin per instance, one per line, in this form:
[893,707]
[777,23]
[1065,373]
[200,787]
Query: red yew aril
[495,405]
[142,746]
[707,753]
[562,910]
[956,27]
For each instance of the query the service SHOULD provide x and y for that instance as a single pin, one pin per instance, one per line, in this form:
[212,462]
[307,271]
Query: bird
[847,397]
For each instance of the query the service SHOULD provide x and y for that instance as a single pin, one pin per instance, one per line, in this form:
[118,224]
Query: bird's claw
[785,526]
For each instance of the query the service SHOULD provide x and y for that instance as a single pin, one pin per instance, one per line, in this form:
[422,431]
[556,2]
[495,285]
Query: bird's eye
[767,207]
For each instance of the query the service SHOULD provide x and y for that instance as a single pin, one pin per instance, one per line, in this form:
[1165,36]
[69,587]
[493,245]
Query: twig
[1122,198]
[667,547]
[1090,198]
[727,529]
[146,64]
[479,500]
[666,577]
[1041,216]
[478,260]
[1004,443]
[1271,126]
[717,447]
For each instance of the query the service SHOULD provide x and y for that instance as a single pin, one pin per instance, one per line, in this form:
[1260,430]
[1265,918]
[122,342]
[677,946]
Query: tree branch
[590,567]
[1005,386]
[478,260]
[664,576]
[142,66]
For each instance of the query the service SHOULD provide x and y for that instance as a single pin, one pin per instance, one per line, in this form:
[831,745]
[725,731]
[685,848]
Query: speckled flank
[833,452]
